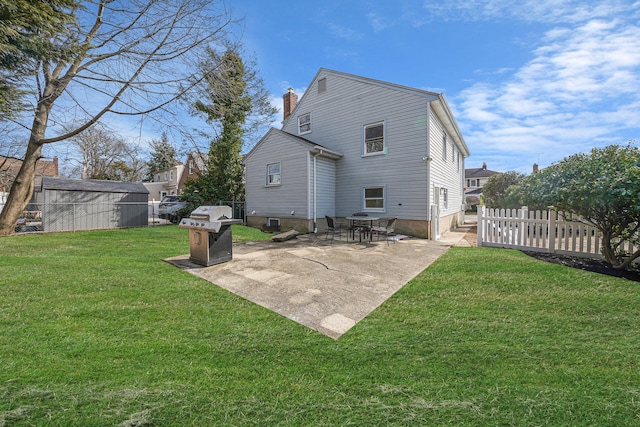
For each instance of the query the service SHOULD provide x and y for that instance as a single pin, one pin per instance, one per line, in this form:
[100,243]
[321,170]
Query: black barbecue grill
[210,239]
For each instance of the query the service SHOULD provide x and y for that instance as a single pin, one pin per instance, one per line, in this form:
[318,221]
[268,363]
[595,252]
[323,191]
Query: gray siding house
[354,144]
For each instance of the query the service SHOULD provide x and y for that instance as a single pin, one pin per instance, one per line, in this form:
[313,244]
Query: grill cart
[210,239]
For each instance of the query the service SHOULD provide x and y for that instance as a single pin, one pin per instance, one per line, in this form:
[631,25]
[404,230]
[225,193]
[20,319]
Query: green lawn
[97,330]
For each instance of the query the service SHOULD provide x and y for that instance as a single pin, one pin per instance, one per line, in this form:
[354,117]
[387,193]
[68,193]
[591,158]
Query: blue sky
[531,81]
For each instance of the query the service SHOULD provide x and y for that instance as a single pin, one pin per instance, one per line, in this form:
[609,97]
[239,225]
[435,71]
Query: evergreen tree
[233,93]
[26,32]
[163,157]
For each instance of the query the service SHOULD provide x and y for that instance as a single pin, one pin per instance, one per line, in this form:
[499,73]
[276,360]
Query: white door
[435,214]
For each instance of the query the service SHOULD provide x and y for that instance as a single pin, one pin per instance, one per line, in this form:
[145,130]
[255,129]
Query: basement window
[273,222]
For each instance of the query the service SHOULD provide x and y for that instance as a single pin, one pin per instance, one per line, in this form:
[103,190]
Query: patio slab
[326,287]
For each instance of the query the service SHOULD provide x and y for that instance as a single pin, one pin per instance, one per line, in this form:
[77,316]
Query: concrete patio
[326,286]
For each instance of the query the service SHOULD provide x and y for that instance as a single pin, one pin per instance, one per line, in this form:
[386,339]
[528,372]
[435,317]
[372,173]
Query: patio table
[360,220]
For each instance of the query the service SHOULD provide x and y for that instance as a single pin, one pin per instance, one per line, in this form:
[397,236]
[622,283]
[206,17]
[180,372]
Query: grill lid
[212,213]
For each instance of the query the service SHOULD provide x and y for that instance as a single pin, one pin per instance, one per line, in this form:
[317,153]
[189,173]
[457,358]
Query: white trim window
[374,139]
[304,124]
[274,174]
[444,147]
[273,222]
[373,199]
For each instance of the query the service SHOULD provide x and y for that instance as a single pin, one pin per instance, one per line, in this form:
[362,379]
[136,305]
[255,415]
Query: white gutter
[315,189]
[324,152]
[428,160]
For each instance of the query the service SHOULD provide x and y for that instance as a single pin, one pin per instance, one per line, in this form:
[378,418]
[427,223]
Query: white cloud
[547,11]
[579,91]
[344,33]
[377,22]
[277,102]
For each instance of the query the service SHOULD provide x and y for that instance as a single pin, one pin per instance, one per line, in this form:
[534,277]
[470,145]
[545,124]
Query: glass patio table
[360,222]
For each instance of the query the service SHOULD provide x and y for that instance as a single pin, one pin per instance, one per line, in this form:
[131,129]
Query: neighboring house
[354,144]
[10,166]
[475,179]
[172,180]
[196,162]
[165,182]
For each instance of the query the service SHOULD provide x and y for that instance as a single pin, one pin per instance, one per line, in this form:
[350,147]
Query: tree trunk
[23,186]
[608,252]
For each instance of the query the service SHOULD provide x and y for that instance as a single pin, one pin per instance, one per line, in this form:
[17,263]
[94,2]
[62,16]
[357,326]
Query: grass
[95,329]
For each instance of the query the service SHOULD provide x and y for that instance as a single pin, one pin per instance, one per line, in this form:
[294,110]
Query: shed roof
[92,185]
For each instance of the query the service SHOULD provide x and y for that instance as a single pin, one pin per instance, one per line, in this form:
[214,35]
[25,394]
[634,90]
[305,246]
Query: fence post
[480,225]
[553,219]
[524,214]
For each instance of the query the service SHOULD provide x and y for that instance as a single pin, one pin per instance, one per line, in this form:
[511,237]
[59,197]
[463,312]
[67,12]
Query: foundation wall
[304,226]
[416,228]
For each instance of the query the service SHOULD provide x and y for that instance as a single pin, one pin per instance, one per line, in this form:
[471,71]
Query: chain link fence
[52,217]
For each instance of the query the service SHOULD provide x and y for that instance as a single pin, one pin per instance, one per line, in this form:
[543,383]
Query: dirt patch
[588,264]
[472,236]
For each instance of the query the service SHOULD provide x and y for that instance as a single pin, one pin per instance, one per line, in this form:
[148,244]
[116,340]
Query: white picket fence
[542,231]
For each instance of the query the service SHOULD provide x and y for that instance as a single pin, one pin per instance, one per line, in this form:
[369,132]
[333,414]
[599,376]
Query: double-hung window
[374,199]
[304,123]
[274,174]
[444,147]
[374,138]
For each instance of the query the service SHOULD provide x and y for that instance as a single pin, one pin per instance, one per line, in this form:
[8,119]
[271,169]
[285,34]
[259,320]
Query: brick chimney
[535,168]
[290,101]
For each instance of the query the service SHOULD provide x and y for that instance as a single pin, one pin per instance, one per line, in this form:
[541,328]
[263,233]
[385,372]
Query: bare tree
[104,154]
[125,57]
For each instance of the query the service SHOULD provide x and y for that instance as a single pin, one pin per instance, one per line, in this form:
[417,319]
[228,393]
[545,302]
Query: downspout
[309,202]
[428,200]
[315,195]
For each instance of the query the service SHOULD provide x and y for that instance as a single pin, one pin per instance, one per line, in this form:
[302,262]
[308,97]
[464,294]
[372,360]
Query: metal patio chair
[388,229]
[333,227]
